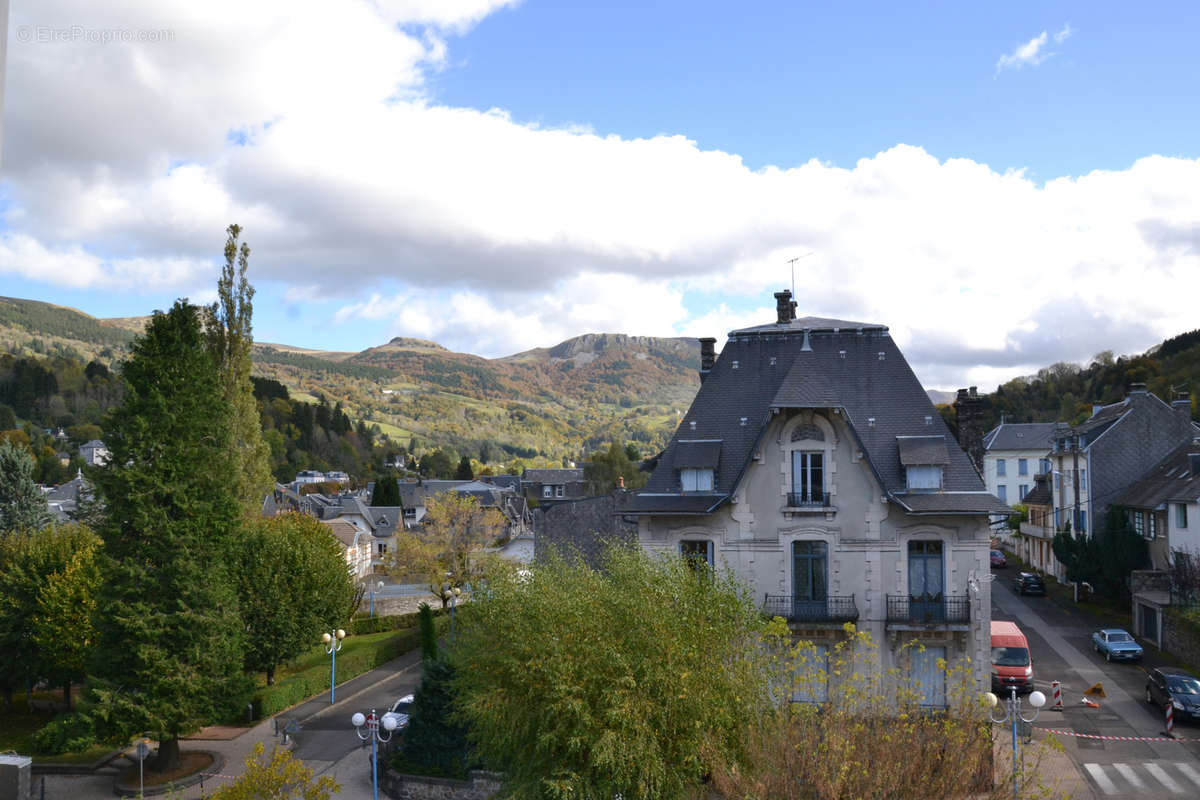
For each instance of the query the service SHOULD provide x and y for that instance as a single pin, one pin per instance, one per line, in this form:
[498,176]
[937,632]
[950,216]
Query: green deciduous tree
[387,492]
[228,326]
[47,591]
[632,681]
[605,468]
[22,504]
[170,636]
[292,585]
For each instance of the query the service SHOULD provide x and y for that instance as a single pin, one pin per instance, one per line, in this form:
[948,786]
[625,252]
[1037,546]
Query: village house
[813,465]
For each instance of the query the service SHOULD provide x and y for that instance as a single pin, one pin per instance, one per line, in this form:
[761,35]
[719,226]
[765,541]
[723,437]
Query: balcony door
[810,585]
[926,591]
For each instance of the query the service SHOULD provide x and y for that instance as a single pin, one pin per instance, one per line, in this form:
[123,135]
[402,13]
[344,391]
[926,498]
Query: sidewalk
[236,744]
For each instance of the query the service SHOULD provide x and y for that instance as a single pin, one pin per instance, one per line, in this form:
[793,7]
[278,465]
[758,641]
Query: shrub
[435,744]
[429,648]
[66,733]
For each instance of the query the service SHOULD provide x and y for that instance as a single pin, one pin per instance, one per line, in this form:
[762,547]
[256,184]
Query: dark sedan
[1177,687]
[1028,583]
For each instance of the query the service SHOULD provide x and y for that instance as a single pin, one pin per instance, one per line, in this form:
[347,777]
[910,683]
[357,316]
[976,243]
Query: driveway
[1119,748]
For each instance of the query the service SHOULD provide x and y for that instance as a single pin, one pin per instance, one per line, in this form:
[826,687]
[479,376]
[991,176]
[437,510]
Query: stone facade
[480,785]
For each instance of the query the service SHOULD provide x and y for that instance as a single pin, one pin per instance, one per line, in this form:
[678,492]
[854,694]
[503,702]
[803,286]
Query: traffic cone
[1087,701]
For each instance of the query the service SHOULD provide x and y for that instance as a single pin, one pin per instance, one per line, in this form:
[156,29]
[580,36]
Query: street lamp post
[372,723]
[452,598]
[1012,713]
[374,585]
[333,642]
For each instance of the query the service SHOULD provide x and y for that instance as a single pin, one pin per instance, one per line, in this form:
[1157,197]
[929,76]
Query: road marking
[1129,775]
[1190,771]
[1163,778]
[1102,780]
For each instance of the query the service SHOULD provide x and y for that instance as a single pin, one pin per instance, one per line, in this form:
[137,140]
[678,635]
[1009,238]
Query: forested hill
[1066,392]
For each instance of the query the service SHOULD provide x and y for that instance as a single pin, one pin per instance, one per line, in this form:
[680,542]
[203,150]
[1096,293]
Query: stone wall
[480,786]
[1181,636]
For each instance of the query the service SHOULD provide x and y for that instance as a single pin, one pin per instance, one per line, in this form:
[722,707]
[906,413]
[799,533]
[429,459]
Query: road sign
[143,750]
[372,722]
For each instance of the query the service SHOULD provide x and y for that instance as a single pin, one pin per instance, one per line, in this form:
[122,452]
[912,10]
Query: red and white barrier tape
[1115,738]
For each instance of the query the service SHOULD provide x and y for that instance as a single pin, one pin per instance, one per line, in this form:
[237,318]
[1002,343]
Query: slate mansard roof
[818,363]
[1176,479]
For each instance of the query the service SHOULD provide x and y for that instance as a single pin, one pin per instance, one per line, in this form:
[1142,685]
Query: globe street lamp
[372,723]
[1012,712]
[333,642]
[452,598]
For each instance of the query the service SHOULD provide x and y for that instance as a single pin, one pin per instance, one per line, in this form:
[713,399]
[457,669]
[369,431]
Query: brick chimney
[708,356]
[785,307]
[1183,405]
[968,405]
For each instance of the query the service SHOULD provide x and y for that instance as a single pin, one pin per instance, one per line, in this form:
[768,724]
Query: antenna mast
[792,264]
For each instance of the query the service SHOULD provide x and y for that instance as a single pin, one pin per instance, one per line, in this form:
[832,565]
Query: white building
[1012,455]
[814,466]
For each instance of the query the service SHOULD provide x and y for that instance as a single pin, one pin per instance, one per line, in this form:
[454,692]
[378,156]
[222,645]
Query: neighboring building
[356,545]
[64,499]
[1094,462]
[1164,506]
[547,486]
[1013,455]
[580,528]
[308,476]
[1035,545]
[814,466]
[94,453]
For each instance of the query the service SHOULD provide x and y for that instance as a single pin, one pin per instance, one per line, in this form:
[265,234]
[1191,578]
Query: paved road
[1060,643]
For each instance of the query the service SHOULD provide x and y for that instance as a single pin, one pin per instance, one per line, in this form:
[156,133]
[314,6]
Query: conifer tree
[228,324]
[170,636]
[387,492]
[22,504]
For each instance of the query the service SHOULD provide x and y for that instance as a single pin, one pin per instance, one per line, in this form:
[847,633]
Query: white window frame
[805,484]
[1139,523]
[696,480]
[1083,480]
[1022,490]
[1002,492]
[1181,515]
[547,490]
[923,476]
[559,491]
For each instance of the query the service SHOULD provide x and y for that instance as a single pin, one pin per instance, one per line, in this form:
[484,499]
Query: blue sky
[1006,185]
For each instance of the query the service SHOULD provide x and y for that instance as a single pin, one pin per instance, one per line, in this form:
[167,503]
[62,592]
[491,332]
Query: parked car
[1029,583]
[401,709]
[1116,644]
[1171,685]
[998,559]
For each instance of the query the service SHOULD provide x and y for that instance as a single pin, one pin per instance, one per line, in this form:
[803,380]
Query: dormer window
[924,477]
[696,480]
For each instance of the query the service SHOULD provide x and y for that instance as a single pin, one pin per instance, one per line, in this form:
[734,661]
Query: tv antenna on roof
[792,263]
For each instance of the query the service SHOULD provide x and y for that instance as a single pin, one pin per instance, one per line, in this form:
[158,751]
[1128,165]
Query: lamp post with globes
[1012,713]
[452,598]
[333,642]
[372,722]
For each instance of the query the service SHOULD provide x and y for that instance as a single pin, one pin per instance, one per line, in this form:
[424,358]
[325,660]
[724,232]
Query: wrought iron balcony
[815,499]
[929,610]
[799,609]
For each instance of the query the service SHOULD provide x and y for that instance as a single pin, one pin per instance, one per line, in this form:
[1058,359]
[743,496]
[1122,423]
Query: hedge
[362,624]
[297,688]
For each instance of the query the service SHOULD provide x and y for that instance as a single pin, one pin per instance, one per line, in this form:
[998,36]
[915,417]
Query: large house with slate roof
[814,466]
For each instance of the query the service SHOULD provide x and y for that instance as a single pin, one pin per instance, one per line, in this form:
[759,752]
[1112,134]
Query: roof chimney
[1137,388]
[785,307]
[968,406]
[707,356]
[1183,405]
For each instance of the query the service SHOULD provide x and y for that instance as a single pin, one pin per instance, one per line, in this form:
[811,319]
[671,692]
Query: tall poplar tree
[228,324]
[170,636]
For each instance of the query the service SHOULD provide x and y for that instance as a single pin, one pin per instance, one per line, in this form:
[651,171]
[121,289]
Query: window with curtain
[696,480]
[808,478]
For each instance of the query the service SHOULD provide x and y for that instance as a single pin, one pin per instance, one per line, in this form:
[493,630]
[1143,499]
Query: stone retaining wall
[480,786]
[1181,636]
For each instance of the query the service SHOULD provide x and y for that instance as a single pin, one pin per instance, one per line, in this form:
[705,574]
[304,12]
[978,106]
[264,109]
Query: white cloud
[1033,52]
[494,236]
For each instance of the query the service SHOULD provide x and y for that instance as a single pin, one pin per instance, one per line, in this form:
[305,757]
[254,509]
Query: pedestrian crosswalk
[1176,777]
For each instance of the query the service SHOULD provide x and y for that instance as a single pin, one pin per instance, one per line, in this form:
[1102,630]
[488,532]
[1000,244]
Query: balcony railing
[926,610]
[811,500]
[799,609]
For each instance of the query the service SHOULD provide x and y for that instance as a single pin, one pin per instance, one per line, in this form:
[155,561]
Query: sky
[1005,185]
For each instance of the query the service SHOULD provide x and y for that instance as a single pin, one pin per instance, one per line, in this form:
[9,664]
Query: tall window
[1081,521]
[1022,490]
[1002,493]
[1001,470]
[696,480]
[1022,466]
[925,569]
[1139,523]
[812,675]
[1083,480]
[929,681]
[697,551]
[1180,516]
[1151,529]
[808,478]
[1043,466]
[810,568]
